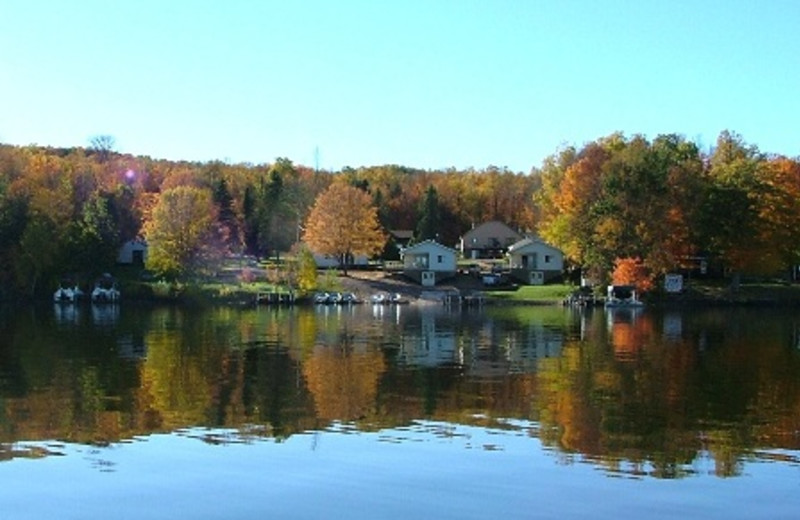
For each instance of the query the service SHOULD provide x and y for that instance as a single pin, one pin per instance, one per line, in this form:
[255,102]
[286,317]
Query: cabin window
[547,259]
[440,259]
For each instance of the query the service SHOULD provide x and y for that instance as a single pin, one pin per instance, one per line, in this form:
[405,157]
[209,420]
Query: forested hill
[67,210]
[661,201]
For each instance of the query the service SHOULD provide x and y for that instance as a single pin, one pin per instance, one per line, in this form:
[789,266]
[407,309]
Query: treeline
[66,211]
[663,203]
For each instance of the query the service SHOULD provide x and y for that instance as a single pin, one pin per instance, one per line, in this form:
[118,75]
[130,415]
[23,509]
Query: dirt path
[366,283]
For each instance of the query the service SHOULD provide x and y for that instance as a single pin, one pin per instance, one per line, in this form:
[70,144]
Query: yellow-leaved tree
[181,234]
[306,270]
[343,223]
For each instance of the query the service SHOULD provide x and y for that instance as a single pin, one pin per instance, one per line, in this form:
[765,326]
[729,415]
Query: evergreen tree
[227,216]
[269,211]
[429,220]
[250,211]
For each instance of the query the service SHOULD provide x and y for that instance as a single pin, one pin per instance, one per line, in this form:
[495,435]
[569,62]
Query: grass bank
[696,293]
[541,294]
[719,293]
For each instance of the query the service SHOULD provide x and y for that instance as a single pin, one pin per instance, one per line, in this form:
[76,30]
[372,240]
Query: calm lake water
[399,411]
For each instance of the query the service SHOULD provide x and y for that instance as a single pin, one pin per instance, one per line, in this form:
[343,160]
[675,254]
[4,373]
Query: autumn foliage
[631,271]
[343,223]
[666,203]
[663,200]
[182,232]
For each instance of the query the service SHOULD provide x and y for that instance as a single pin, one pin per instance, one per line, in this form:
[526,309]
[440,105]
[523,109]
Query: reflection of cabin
[429,262]
[488,240]
[524,349]
[428,346]
[133,252]
[534,262]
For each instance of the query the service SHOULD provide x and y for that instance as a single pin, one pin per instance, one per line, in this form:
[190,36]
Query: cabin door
[138,257]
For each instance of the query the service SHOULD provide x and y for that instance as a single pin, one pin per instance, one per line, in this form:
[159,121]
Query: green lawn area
[749,293]
[533,293]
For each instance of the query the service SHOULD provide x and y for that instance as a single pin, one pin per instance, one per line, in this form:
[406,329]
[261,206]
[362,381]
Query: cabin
[401,237]
[429,262]
[398,240]
[488,240]
[133,252]
[534,262]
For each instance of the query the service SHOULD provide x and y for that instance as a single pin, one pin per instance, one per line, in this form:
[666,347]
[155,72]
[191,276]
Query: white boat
[66,294]
[388,298]
[335,298]
[622,296]
[350,298]
[397,298]
[105,290]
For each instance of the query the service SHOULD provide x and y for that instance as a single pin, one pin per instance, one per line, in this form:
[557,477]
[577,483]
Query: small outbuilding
[133,252]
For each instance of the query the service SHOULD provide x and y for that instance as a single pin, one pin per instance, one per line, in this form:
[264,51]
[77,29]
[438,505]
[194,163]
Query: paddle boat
[622,296]
[105,290]
[67,294]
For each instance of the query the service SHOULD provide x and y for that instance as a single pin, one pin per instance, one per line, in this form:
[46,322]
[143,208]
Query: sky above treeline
[422,83]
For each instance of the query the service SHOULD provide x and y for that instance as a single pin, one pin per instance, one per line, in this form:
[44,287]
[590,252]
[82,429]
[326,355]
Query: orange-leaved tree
[631,271]
[343,223]
[779,214]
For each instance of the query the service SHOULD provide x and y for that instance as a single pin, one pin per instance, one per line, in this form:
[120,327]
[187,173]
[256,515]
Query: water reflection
[105,314]
[71,314]
[636,392]
[428,344]
[67,313]
[628,331]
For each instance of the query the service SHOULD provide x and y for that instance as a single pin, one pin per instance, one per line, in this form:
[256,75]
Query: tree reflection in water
[639,392]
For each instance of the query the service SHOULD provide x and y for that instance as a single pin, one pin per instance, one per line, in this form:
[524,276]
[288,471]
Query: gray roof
[529,241]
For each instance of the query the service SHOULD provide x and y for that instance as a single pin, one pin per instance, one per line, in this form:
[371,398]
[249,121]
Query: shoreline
[463,291]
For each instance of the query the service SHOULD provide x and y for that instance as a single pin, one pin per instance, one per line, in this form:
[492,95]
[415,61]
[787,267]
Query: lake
[398,411]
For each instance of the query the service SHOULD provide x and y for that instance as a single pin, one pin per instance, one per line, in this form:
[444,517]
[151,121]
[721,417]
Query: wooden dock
[275,298]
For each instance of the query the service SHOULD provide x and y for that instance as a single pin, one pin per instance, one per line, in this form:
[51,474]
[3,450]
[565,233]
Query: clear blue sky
[422,83]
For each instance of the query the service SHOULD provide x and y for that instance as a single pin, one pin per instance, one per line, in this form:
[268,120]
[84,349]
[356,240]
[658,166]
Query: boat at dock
[67,294]
[336,298]
[388,299]
[622,296]
[105,290]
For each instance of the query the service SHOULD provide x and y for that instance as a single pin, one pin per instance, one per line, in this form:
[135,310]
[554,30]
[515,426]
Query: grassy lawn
[533,293]
[748,293]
